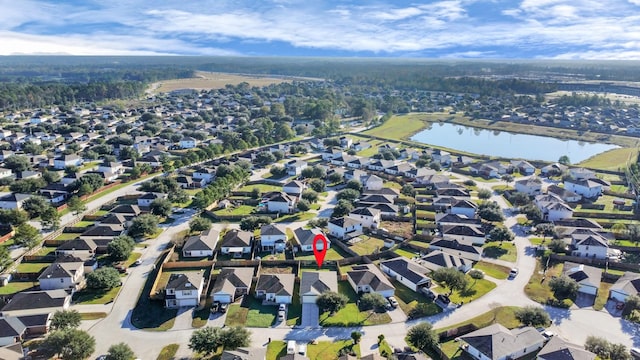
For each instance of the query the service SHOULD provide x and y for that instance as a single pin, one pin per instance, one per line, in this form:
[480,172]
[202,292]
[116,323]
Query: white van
[291,347]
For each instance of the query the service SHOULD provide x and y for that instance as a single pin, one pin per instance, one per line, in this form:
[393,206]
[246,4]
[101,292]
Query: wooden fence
[597,262]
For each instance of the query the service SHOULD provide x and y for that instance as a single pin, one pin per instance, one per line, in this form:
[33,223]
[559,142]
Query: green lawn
[251,313]
[168,352]
[66,236]
[504,315]
[493,270]
[603,294]
[504,251]
[151,314]
[332,254]
[240,210]
[611,160]
[46,250]
[409,254]
[409,299]
[201,317]
[83,223]
[399,127]
[368,245]
[474,290]
[276,349]
[301,216]
[93,315]
[538,287]
[17,286]
[262,187]
[29,267]
[90,296]
[325,350]
[350,315]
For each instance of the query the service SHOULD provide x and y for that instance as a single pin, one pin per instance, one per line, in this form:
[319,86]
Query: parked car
[223,307]
[393,301]
[215,306]
[513,273]
[547,334]
[281,315]
[282,307]
[635,352]
[138,262]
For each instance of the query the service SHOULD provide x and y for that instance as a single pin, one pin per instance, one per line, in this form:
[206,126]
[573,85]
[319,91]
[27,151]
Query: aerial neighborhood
[195,213]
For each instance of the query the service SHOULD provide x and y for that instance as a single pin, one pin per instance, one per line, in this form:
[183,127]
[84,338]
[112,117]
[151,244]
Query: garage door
[310,315]
[223,298]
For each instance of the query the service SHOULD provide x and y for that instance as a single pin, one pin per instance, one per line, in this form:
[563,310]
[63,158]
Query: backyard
[368,245]
[323,350]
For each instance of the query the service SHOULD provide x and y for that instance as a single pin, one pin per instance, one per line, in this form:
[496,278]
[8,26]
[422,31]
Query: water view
[505,144]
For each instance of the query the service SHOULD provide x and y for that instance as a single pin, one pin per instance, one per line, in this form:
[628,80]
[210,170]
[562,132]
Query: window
[186,292]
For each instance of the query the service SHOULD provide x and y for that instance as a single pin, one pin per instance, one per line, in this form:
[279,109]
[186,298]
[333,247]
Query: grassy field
[213,80]
[17,286]
[367,246]
[504,251]
[611,160]
[493,270]
[350,315]
[400,127]
[90,296]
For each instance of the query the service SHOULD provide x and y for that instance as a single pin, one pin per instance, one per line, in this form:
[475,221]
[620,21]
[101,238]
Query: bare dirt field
[628,99]
[209,80]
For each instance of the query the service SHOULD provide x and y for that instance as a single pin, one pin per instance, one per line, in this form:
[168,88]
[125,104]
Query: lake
[508,145]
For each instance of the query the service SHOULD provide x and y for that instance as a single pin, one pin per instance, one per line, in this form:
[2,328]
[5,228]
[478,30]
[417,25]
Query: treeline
[227,178]
[578,100]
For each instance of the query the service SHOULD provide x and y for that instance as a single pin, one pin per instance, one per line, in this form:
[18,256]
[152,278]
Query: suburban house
[585,187]
[205,175]
[13,201]
[523,166]
[373,182]
[450,219]
[55,193]
[564,194]
[436,260]
[37,303]
[407,272]
[314,283]
[63,161]
[344,227]
[294,188]
[126,210]
[496,342]
[62,275]
[12,352]
[116,219]
[5,173]
[148,198]
[304,238]
[237,243]
[589,245]
[558,349]
[277,289]
[273,238]
[553,169]
[231,283]
[80,248]
[588,277]
[295,167]
[188,142]
[183,290]
[627,285]
[530,186]
[201,245]
[582,173]
[114,167]
[369,279]
[463,207]
[465,233]
[368,217]
[281,203]
[553,207]
[12,331]
[104,231]
[454,247]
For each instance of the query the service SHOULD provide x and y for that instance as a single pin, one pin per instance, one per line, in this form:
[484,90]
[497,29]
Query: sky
[523,29]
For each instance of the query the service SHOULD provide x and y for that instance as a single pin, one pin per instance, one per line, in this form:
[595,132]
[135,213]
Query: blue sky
[562,29]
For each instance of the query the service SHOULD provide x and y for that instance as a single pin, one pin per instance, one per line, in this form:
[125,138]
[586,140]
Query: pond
[508,145]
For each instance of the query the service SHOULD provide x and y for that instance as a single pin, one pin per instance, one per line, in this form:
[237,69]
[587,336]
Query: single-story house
[368,278]
[588,277]
[627,285]
[304,238]
[232,283]
[37,303]
[558,349]
[455,247]
[13,201]
[275,288]
[436,260]
[237,243]
[585,187]
[294,188]
[496,342]
[148,198]
[314,283]
[201,245]
[530,186]
[407,272]
[81,248]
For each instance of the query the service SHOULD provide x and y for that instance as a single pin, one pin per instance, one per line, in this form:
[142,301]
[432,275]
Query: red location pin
[319,254]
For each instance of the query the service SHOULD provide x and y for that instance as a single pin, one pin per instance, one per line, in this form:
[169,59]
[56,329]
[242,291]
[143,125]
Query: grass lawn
[168,352]
[384,348]
[83,224]
[325,350]
[29,267]
[150,314]
[474,290]
[301,216]
[350,315]
[276,349]
[332,254]
[504,315]
[603,293]
[240,210]
[493,270]
[538,287]
[367,246]
[267,255]
[262,187]
[611,160]
[504,251]
[132,259]
[46,250]
[200,317]
[294,312]
[66,236]
[409,254]
[409,299]
[93,315]
[90,296]
[17,286]
[251,313]
[399,127]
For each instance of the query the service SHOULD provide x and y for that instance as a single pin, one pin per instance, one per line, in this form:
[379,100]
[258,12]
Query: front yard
[350,315]
[504,251]
[475,289]
[409,299]
[91,296]
[495,271]
[323,350]
[538,287]
[251,313]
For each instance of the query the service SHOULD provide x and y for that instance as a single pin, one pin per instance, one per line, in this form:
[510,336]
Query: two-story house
[184,290]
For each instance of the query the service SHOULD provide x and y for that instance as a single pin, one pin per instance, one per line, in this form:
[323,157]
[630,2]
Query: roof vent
[187,285]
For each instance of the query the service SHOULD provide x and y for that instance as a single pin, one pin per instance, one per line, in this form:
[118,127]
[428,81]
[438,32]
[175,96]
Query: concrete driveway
[183,319]
[310,315]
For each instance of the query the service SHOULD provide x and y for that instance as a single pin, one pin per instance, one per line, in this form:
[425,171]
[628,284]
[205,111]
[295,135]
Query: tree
[501,233]
[532,212]
[335,178]
[317,185]
[598,346]
[490,211]
[408,190]
[235,337]
[331,301]
[65,319]
[251,223]
[35,205]
[13,217]
[348,195]
[120,351]
[355,185]
[343,208]
[5,258]
[265,158]
[484,194]
[372,300]
[619,352]
[76,206]
[564,286]
[303,205]
[68,344]
[199,224]
[519,199]
[161,207]
[205,340]
[27,235]
[422,336]
[633,231]
[546,229]
[532,316]
[557,246]
[104,278]
[631,303]
[310,195]
[356,336]
[120,248]
[564,160]
[17,163]
[451,278]
[50,218]
[27,186]
[146,224]
[435,165]
[507,178]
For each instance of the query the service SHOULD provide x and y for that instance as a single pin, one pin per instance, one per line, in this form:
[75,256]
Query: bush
[564,287]
[476,274]
[370,301]
[303,205]
[104,278]
[484,194]
[532,316]
[331,301]
[490,211]
[469,182]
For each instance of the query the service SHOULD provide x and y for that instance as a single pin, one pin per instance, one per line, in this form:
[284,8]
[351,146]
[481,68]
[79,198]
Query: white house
[314,283]
[589,246]
[12,332]
[148,198]
[114,167]
[407,272]
[62,275]
[183,290]
[530,186]
[188,142]
[281,203]
[582,173]
[5,173]
[294,188]
[231,283]
[369,217]
[201,245]
[463,207]
[37,303]
[373,182]
[237,243]
[588,277]
[273,238]
[205,175]
[63,161]
[564,194]
[344,227]
[454,247]
[627,285]
[304,238]
[13,201]
[523,166]
[496,342]
[558,349]
[585,187]
[369,279]
[277,289]
[295,167]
